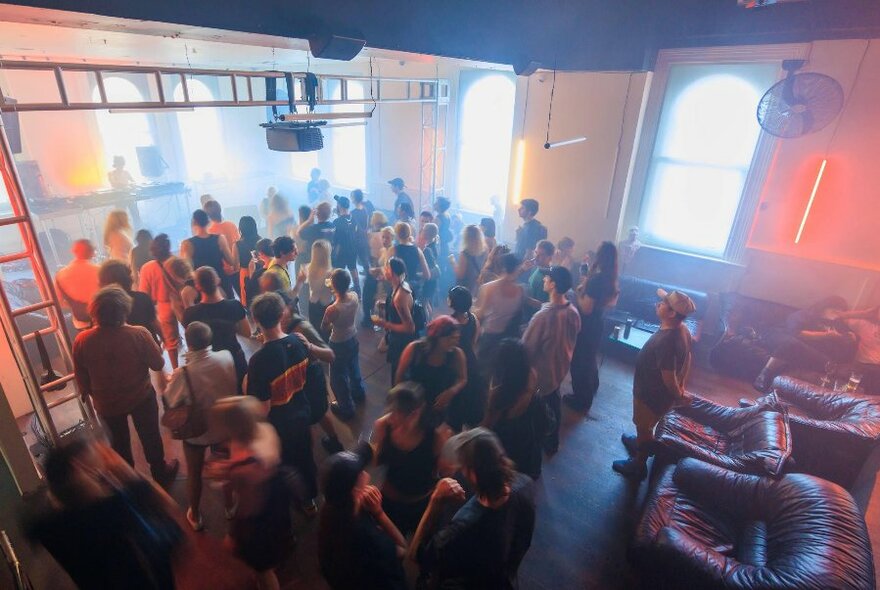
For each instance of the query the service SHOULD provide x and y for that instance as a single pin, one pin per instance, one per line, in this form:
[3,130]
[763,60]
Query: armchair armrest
[716,485]
[708,563]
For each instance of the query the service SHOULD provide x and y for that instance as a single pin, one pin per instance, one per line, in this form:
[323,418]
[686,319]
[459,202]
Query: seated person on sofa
[812,338]
[865,324]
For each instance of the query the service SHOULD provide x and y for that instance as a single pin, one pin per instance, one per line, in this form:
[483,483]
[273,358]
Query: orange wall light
[797,238]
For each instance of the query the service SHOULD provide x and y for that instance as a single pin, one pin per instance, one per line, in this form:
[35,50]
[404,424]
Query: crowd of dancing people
[479,336]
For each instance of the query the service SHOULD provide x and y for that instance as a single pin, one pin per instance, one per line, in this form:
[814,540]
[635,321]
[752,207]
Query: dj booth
[86,213]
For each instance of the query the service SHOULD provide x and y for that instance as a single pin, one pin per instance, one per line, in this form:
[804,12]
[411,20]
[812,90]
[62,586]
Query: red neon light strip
[810,202]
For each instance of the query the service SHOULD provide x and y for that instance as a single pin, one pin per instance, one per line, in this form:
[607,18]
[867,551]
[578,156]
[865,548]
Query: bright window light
[484,136]
[201,134]
[122,133]
[705,142]
[349,144]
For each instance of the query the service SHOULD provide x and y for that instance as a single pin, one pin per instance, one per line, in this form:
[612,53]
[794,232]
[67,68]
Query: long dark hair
[247,226]
[510,378]
[605,260]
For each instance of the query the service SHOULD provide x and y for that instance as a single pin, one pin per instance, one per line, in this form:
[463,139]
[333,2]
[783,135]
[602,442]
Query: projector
[294,136]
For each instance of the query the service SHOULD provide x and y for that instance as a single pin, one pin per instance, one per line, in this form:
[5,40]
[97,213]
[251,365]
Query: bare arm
[405,361]
[243,328]
[329,317]
[586,304]
[227,253]
[426,272]
[186,250]
[460,368]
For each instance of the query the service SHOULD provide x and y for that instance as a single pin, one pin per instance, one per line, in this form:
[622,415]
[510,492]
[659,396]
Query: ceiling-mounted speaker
[341,47]
[525,67]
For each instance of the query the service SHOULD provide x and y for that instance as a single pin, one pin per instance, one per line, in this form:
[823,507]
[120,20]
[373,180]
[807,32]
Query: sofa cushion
[638,298]
[748,440]
[708,527]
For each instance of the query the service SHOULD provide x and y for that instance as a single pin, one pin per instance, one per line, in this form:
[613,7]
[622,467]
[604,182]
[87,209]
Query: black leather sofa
[832,432]
[755,440]
[638,298]
[708,527]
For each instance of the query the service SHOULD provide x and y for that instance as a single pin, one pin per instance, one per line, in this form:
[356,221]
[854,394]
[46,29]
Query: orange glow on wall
[85,176]
[800,232]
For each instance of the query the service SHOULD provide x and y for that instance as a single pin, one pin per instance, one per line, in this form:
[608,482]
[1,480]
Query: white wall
[580,187]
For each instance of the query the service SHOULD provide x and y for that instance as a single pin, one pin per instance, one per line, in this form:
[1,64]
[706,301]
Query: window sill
[692,255]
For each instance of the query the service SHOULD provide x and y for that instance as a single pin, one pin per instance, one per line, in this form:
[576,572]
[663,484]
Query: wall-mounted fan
[801,103]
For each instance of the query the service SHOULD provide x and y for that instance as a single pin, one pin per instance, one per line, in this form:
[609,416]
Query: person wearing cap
[358,545]
[488,537]
[531,231]
[662,368]
[344,252]
[400,196]
[550,339]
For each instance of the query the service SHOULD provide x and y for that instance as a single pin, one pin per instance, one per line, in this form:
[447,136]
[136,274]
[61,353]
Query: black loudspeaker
[329,46]
[32,184]
[13,131]
[150,161]
[282,138]
[525,67]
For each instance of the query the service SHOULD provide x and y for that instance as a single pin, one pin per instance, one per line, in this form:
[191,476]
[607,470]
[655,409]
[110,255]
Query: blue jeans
[345,374]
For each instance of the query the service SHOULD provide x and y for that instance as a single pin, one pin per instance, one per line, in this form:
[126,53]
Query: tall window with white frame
[484,136]
[705,143]
[122,133]
[201,134]
[349,143]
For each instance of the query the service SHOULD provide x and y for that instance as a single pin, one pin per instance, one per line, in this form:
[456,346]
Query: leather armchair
[708,527]
[748,440]
[832,432]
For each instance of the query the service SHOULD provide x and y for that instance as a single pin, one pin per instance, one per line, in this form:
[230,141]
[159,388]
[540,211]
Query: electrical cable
[848,96]
[550,110]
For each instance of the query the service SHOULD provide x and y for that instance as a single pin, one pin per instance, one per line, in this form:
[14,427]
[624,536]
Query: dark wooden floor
[586,512]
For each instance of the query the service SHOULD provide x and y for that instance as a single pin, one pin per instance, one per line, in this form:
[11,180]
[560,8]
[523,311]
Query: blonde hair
[117,220]
[378,219]
[388,231]
[472,241]
[403,231]
[178,268]
[320,262]
[431,231]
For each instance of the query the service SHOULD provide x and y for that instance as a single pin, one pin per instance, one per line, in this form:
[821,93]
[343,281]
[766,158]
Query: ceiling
[569,34]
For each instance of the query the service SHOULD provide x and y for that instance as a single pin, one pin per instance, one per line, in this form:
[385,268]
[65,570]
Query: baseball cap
[344,202]
[450,452]
[560,275]
[678,301]
[398,182]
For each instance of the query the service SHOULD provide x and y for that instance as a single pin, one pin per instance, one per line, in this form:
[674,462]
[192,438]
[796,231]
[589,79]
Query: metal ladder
[48,305]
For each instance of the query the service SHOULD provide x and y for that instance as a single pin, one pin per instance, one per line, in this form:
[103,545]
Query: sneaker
[630,469]
[166,478]
[332,445]
[630,443]
[197,524]
[343,415]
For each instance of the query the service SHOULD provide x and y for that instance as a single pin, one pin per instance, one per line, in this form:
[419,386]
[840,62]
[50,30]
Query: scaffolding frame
[432,94]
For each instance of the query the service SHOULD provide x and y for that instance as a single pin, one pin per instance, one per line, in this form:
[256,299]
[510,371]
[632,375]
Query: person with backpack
[360,218]
[279,377]
[344,242]
[206,377]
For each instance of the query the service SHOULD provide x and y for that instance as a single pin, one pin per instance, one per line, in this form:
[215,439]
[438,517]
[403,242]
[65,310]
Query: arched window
[485,128]
[705,143]
[349,143]
[200,134]
[122,133]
